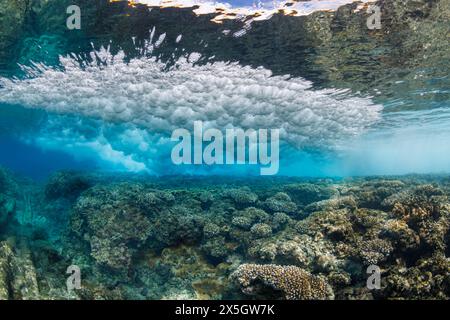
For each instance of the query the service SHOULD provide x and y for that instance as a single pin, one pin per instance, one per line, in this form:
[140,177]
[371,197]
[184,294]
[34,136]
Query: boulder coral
[114,226]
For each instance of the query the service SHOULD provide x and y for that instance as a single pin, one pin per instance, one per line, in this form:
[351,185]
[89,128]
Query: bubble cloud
[221,94]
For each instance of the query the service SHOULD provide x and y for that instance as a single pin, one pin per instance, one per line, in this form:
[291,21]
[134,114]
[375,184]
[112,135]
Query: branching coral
[294,283]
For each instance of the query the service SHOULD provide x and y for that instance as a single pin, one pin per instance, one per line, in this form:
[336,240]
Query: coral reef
[114,227]
[66,184]
[148,238]
[140,237]
[293,282]
[8,193]
[18,279]
[306,193]
[13,14]
[280,202]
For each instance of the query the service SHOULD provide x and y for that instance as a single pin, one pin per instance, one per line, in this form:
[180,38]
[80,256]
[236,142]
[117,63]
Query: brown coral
[293,282]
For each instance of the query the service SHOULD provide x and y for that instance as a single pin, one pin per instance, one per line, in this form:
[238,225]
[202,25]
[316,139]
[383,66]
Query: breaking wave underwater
[112,112]
[134,106]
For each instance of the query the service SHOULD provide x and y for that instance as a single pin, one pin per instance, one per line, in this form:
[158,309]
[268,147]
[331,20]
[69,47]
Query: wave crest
[143,92]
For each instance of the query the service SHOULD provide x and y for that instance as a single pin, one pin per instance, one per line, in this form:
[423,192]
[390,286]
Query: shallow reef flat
[140,237]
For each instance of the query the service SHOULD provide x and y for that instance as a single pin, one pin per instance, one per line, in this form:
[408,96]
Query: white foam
[109,146]
[220,94]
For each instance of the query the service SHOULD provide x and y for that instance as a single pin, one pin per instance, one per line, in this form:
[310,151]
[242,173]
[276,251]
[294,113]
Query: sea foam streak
[222,95]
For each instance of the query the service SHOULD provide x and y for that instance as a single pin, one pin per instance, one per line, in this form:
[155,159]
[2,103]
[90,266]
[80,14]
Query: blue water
[36,163]
[110,115]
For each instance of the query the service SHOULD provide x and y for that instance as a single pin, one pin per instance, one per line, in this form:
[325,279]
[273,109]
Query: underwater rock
[7,209]
[8,184]
[372,252]
[279,220]
[398,231]
[281,202]
[261,230]
[3,180]
[177,225]
[25,285]
[5,260]
[428,278]
[218,248]
[110,220]
[183,272]
[335,225]
[18,279]
[371,194]
[66,184]
[242,222]
[242,197]
[97,291]
[290,247]
[8,197]
[293,282]
[211,230]
[334,203]
[246,218]
[306,193]
[424,216]
[420,201]
[155,200]
[13,15]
